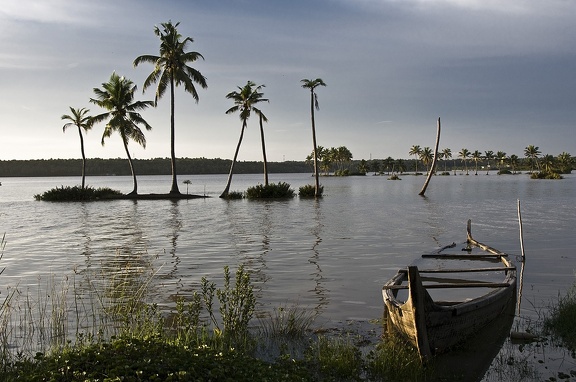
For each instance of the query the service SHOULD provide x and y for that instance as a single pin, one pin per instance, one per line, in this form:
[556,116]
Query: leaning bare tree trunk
[433,167]
[227,189]
[83,158]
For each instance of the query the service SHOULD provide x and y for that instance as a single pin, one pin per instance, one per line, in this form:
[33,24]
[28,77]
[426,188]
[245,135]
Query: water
[330,255]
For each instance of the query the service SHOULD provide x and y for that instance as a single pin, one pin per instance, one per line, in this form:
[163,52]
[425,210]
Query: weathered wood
[454,286]
[465,270]
[461,256]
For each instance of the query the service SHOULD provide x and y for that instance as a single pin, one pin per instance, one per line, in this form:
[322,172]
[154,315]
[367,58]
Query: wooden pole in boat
[521,234]
[523,260]
[433,167]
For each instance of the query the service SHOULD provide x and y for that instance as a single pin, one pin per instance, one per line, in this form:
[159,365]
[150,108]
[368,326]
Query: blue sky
[500,74]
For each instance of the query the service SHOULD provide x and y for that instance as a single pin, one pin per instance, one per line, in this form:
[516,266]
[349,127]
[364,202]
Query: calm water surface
[330,255]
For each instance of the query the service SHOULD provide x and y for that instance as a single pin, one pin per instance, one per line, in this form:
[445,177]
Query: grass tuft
[278,190]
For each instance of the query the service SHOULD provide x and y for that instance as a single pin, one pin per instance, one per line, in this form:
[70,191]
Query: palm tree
[262,118]
[400,166]
[446,154]
[532,152]
[389,164]
[565,161]
[117,96]
[464,154]
[81,120]
[244,101]
[488,155]
[171,68]
[548,163]
[476,156]
[514,161]
[426,157]
[501,158]
[416,151]
[312,85]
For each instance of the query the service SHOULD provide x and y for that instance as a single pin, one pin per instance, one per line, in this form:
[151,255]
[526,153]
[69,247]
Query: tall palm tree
[532,153]
[446,154]
[312,85]
[416,150]
[171,68]
[244,100]
[464,154]
[476,156]
[81,120]
[117,96]
[262,118]
[488,155]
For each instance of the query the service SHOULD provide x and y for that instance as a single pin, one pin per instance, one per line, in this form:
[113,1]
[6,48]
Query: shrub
[235,195]
[394,177]
[308,191]
[76,193]
[561,321]
[271,191]
[545,175]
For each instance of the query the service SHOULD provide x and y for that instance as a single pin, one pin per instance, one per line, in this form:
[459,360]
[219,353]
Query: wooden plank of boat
[468,256]
[464,270]
[445,286]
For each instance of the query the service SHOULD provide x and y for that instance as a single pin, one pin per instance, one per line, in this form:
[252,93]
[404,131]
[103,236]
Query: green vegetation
[309,191]
[562,318]
[209,336]
[272,191]
[76,193]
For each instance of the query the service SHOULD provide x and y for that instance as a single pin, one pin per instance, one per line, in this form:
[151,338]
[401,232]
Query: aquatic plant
[309,190]
[271,191]
[76,193]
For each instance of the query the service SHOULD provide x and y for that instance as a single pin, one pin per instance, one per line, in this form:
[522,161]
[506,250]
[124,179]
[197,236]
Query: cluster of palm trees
[532,154]
[171,69]
[329,157]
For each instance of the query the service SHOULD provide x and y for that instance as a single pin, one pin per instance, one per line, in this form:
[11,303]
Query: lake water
[330,255]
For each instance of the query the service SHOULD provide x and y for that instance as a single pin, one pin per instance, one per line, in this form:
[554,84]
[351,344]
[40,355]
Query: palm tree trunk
[135,190]
[83,158]
[227,189]
[174,189]
[264,153]
[316,176]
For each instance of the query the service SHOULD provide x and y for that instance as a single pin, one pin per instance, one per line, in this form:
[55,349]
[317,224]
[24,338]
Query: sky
[501,75]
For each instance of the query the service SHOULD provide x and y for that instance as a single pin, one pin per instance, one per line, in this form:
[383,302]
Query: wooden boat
[434,324]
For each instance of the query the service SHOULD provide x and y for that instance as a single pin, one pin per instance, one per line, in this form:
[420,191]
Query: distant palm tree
[416,151]
[514,161]
[548,163]
[400,166]
[312,85]
[565,161]
[262,118]
[244,101]
[476,156]
[426,157]
[488,155]
[81,120]
[117,96]
[501,158]
[171,68]
[464,154]
[446,154]
[532,152]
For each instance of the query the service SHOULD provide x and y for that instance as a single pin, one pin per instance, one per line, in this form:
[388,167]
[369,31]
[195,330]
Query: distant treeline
[156,166]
